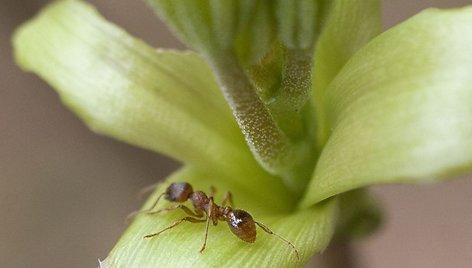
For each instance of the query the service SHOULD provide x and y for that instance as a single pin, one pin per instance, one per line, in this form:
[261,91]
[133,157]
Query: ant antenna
[146,190]
[133,214]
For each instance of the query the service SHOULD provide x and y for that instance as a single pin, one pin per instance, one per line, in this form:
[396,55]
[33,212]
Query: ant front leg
[189,219]
[187,210]
[269,231]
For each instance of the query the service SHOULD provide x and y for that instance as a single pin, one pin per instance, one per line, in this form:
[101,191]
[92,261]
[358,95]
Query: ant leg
[189,219]
[208,219]
[133,214]
[187,210]
[212,191]
[227,199]
[269,231]
[206,235]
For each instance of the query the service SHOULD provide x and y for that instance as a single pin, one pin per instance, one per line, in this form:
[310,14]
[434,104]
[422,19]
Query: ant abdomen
[242,225]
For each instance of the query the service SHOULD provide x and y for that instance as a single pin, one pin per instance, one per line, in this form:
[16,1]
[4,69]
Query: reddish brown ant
[239,221]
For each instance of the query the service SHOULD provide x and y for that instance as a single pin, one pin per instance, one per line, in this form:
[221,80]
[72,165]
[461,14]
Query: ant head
[242,225]
[178,192]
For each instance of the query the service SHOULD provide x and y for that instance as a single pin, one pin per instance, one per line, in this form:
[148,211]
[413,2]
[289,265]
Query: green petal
[350,25]
[166,101]
[401,109]
[216,28]
[309,230]
[256,31]
[298,22]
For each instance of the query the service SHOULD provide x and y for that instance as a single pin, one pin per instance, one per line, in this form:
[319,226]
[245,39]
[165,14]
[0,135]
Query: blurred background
[65,191]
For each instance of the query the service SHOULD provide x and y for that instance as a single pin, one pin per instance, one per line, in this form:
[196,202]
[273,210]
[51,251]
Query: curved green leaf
[401,108]
[349,26]
[166,101]
[309,230]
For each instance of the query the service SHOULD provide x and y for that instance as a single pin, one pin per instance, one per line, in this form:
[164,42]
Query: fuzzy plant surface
[293,106]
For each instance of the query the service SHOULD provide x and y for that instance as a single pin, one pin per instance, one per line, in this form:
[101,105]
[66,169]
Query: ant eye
[242,225]
[178,192]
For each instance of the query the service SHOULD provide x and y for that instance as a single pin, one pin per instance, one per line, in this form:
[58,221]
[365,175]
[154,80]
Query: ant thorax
[200,200]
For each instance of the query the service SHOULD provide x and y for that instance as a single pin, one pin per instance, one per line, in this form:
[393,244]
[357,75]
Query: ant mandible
[239,221]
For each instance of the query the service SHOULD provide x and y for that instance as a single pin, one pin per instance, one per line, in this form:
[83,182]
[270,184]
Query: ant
[239,221]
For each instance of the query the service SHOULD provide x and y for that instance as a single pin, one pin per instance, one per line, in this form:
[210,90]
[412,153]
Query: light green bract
[400,110]
[370,109]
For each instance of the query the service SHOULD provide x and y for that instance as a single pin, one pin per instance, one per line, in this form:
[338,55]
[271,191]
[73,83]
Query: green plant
[324,106]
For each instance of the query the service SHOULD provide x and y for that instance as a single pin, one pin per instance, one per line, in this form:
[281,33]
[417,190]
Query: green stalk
[272,147]
[295,88]
[259,128]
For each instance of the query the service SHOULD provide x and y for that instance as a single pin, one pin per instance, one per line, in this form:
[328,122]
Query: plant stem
[265,139]
[295,87]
